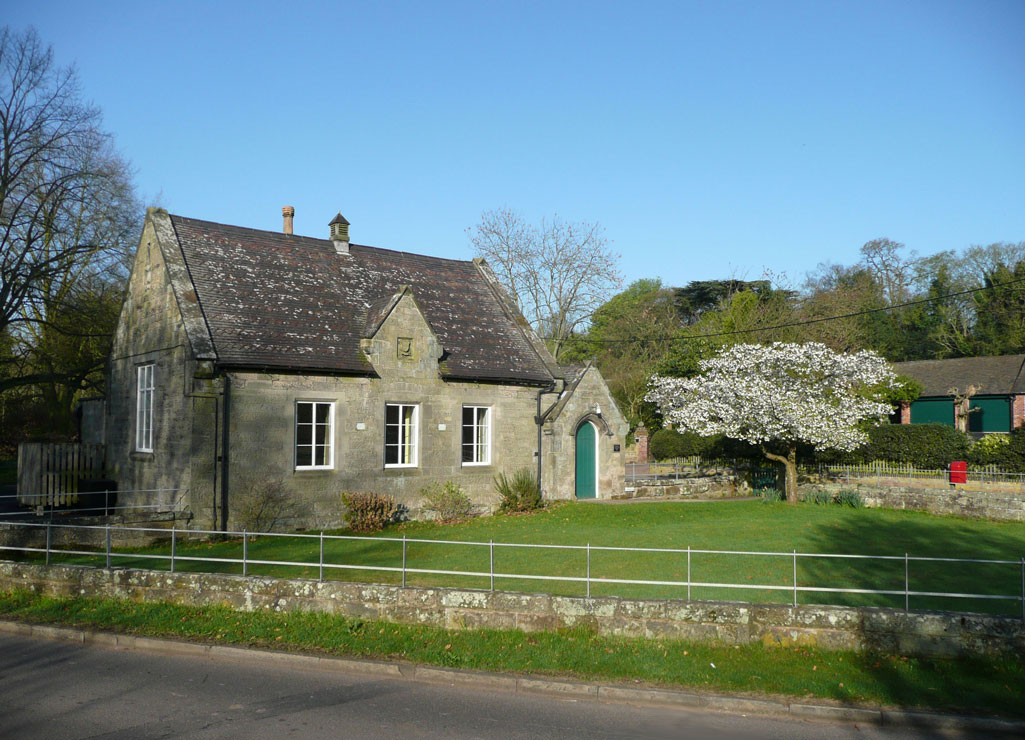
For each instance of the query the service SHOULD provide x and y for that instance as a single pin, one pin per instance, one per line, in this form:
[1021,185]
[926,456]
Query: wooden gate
[49,474]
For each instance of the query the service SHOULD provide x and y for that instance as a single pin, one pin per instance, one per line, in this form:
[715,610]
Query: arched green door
[587,459]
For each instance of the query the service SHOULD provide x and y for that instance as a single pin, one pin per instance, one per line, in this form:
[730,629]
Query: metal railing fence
[587,577]
[109,498]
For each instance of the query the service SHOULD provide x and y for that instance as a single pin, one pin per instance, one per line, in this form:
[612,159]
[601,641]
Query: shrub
[368,511]
[850,498]
[520,493]
[819,498]
[263,506]
[929,446]
[772,495]
[992,449]
[447,500]
[667,444]
[1013,458]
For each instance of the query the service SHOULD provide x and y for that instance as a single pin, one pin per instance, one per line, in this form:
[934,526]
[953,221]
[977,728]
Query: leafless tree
[559,273]
[68,210]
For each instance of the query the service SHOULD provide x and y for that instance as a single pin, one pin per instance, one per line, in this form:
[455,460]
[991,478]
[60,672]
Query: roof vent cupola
[340,234]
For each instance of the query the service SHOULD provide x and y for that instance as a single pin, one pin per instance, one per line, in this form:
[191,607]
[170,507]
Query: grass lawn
[973,685]
[721,525]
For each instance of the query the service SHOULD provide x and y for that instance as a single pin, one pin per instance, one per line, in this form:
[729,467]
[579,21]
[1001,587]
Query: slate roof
[990,375]
[283,301]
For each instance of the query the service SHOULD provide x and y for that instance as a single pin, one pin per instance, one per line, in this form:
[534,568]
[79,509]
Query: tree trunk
[790,468]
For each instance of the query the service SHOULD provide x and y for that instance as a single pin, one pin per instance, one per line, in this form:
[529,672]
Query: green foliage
[519,493]
[447,500]
[991,449]
[904,388]
[368,511]
[773,496]
[819,498]
[929,446]
[1013,458]
[850,498]
[667,444]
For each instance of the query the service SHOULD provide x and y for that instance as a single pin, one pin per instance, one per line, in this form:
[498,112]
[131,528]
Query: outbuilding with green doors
[981,395]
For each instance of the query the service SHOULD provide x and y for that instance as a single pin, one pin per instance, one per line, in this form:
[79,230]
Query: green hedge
[929,446]
[666,444]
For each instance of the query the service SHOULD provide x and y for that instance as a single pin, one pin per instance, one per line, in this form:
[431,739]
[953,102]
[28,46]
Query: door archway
[586,453]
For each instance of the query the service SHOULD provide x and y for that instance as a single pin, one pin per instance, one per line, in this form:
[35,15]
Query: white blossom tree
[780,394]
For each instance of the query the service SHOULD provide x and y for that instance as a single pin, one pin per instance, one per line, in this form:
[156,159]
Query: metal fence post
[795,577]
[48,548]
[321,576]
[403,561]
[106,503]
[688,572]
[588,570]
[245,552]
[907,594]
[492,566]
[108,547]
[173,539]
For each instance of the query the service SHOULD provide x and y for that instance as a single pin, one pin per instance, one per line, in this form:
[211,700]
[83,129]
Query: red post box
[958,472]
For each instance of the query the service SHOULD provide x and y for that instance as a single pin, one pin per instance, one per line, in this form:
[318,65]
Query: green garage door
[933,411]
[989,414]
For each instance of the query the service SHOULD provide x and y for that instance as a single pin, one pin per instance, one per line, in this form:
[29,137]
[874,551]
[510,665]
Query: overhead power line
[804,322]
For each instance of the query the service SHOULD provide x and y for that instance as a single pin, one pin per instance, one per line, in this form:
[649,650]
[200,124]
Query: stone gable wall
[590,395]
[150,330]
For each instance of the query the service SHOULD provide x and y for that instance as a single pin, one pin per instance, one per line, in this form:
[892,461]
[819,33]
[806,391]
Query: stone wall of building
[150,331]
[219,434]
[591,401]
[837,628]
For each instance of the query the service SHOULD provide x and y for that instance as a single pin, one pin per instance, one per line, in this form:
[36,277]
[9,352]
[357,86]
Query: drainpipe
[225,438]
[549,389]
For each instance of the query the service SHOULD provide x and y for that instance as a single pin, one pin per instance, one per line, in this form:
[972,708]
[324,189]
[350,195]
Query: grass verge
[976,685]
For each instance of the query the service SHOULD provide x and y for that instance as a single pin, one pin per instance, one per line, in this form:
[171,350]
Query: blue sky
[711,139]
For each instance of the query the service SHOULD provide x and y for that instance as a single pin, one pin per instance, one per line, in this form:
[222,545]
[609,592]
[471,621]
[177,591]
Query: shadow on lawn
[949,683]
[916,536]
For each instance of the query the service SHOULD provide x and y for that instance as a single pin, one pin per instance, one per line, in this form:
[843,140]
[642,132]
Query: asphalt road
[55,690]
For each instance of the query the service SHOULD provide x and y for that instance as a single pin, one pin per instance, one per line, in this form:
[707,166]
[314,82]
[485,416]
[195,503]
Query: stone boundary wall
[836,628]
[997,505]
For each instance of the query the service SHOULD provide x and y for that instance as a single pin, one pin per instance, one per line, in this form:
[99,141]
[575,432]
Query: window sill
[401,467]
[476,465]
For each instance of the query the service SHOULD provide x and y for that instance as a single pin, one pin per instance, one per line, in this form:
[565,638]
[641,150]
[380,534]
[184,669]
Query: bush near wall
[929,446]
[666,444]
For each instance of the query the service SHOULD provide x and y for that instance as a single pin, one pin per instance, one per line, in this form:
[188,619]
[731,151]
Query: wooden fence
[49,474]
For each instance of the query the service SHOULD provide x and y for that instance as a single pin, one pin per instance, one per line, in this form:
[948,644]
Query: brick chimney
[287,213]
[340,233]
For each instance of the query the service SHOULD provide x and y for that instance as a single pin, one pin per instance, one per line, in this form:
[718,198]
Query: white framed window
[401,422]
[144,408]
[476,435]
[314,435]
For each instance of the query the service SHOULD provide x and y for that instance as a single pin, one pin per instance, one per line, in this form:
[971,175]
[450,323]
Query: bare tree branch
[559,273]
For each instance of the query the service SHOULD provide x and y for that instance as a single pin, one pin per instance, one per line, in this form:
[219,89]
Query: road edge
[561,688]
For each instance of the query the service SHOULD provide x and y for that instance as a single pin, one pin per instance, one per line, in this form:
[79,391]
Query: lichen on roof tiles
[279,300]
